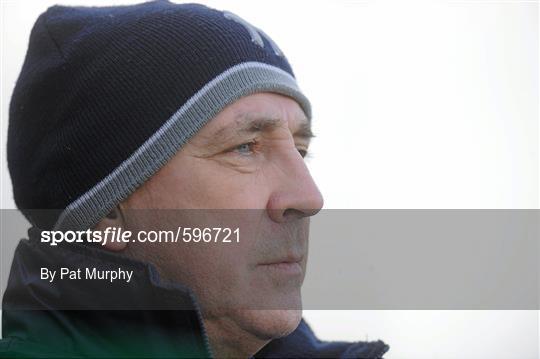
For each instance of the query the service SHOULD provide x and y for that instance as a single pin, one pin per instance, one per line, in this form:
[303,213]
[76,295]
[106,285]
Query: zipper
[203,329]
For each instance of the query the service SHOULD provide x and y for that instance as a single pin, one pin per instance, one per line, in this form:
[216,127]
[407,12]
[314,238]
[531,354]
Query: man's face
[248,163]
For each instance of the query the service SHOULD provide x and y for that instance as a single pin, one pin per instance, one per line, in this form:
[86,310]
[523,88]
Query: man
[160,116]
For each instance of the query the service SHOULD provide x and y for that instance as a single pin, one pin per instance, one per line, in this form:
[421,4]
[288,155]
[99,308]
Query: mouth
[290,265]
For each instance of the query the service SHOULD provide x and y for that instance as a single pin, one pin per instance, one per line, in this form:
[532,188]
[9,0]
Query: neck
[228,340]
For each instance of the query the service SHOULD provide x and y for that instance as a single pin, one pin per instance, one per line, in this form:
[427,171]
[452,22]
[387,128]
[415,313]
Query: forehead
[268,109]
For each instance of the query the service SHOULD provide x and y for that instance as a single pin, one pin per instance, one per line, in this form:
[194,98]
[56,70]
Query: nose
[295,195]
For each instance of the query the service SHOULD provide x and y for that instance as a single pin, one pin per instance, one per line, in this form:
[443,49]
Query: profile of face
[246,163]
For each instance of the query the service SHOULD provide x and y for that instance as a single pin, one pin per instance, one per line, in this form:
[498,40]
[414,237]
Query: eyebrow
[304,131]
[249,124]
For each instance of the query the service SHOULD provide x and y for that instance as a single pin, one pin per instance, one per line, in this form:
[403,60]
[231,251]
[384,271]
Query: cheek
[215,267]
[217,273]
[215,186]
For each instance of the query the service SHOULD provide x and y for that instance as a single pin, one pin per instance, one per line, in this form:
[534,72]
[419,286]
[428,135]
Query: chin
[268,324]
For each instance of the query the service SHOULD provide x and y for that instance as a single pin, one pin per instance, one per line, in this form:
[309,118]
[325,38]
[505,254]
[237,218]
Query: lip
[290,265]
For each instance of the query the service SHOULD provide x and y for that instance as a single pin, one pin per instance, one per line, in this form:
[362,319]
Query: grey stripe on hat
[236,82]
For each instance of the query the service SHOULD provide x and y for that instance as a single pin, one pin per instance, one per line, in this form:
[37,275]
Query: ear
[114,219]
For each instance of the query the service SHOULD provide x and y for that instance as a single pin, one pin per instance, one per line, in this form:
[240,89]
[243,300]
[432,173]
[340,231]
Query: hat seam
[48,30]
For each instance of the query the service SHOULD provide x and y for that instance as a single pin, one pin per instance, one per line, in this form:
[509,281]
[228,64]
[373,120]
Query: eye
[245,148]
[302,152]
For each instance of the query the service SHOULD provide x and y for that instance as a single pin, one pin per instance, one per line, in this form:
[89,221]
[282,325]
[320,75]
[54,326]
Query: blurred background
[417,104]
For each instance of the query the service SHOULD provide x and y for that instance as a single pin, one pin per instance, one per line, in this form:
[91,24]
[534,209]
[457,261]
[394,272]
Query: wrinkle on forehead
[251,123]
[253,114]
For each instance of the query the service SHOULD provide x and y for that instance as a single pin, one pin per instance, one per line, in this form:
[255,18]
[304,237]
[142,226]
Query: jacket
[136,319]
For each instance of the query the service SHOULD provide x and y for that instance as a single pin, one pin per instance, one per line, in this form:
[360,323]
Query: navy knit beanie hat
[107,95]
